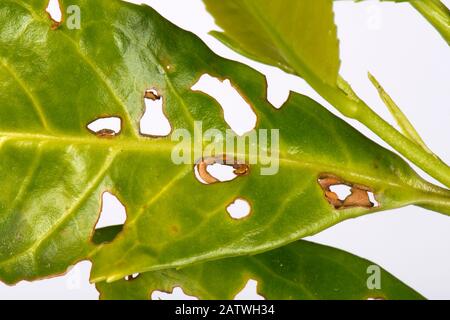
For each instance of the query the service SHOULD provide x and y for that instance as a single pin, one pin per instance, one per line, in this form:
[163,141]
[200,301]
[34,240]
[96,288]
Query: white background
[411,61]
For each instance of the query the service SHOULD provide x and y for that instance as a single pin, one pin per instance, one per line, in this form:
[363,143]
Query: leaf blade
[299,271]
[103,69]
[312,48]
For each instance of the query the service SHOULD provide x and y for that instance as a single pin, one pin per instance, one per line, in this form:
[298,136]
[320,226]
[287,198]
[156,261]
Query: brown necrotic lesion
[105,127]
[54,13]
[358,196]
[154,122]
[239,168]
[105,133]
[152,94]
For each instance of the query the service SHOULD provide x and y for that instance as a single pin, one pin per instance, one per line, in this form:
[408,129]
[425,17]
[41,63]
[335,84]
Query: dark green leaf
[301,270]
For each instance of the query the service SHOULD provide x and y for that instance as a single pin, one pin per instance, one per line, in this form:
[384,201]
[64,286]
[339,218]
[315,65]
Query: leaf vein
[34,100]
[91,186]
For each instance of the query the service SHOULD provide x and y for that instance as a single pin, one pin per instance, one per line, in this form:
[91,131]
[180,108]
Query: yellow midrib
[116,142]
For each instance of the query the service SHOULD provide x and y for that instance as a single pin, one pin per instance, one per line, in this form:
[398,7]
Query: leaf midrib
[129,144]
[155,145]
[34,101]
[116,142]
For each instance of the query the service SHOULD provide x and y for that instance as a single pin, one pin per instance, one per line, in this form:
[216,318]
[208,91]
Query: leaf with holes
[62,83]
[301,270]
[299,36]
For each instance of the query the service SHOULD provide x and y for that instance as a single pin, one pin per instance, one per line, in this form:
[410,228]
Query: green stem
[436,13]
[346,101]
[435,199]
[432,165]
[437,205]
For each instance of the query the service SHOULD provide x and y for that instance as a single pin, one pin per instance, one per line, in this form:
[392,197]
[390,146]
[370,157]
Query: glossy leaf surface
[301,271]
[56,80]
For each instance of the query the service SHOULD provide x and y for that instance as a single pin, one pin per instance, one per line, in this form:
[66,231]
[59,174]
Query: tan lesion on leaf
[358,197]
[174,229]
[132,277]
[152,95]
[55,25]
[105,126]
[240,168]
[53,9]
[105,133]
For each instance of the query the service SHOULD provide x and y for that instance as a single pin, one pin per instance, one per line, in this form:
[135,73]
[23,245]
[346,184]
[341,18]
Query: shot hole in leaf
[154,122]
[113,212]
[219,169]
[54,11]
[76,276]
[176,294]
[343,194]
[237,112]
[373,199]
[132,277]
[341,190]
[106,127]
[277,92]
[239,209]
[250,292]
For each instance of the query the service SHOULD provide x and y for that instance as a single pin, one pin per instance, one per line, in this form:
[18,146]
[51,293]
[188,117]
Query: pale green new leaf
[54,81]
[301,271]
[296,35]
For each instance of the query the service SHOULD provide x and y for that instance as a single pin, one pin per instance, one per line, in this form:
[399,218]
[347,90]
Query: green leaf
[277,24]
[56,80]
[301,271]
[295,35]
